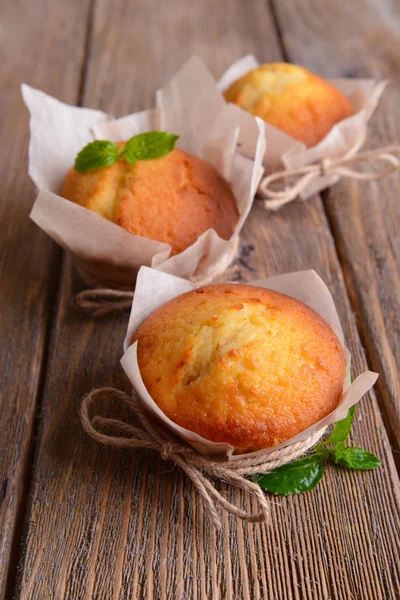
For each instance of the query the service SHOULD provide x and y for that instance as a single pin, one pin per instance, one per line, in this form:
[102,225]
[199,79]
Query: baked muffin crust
[173,199]
[241,364]
[292,99]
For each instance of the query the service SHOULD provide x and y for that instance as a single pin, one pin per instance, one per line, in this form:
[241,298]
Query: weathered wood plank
[41,45]
[126,525]
[362,41]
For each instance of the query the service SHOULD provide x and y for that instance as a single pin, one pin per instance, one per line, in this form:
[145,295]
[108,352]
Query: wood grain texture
[361,39]
[122,525]
[35,38]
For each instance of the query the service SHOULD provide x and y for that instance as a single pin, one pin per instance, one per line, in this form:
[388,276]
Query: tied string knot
[324,167]
[346,166]
[101,301]
[169,450]
[153,435]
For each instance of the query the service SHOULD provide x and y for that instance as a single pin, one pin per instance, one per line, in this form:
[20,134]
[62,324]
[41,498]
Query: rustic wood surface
[32,49]
[121,525]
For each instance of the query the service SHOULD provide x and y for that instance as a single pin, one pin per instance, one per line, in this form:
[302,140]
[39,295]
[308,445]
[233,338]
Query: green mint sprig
[304,474]
[144,146]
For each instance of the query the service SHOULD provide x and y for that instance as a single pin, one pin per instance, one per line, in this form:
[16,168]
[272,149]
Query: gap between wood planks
[55,279]
[86,52]
[394,442]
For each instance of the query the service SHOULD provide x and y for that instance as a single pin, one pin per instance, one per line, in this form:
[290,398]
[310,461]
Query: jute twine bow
[152,435]
[340,167]
[102,301]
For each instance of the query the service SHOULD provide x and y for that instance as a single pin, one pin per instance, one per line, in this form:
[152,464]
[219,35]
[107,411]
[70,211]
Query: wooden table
[75,518]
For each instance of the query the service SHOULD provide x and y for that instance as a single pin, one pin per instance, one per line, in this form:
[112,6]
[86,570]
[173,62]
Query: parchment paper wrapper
[189,105]
[283,150]
[153,289]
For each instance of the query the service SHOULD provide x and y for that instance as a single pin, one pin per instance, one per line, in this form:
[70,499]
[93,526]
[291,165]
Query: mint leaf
[144,146]
[336,453]
[149,145]
[341,429]
[295,477]
[356,458]
[96,155]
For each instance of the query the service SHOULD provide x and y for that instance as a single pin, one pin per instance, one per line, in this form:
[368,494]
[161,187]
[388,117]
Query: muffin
[292,99]
[173,199]
[240,364]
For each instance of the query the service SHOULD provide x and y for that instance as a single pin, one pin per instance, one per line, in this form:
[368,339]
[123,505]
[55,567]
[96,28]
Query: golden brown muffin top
[292,99]
[173,199]
[240,364]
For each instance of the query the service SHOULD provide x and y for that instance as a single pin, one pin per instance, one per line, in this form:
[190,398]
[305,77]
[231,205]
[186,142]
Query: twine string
[341,167]
[151,435]
[102,301]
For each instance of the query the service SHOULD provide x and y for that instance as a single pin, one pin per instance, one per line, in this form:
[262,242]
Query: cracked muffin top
[240,364]
[289,97]
[173,199]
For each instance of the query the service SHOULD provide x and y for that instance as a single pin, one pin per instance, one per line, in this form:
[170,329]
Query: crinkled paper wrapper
[154,288]
[283,150]
[191,106]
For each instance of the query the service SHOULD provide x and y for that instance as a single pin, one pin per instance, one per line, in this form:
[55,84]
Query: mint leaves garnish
[355,458]
[144,146]
[96,155]
[295,477]
[341,429]
[304,474]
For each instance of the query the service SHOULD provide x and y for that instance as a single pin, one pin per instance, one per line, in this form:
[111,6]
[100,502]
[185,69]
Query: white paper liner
[191,106]
[284,150]
[154,288]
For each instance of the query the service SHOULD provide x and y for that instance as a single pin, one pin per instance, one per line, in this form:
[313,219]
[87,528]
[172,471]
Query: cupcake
[292,99]
[171,199]
[240,364]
